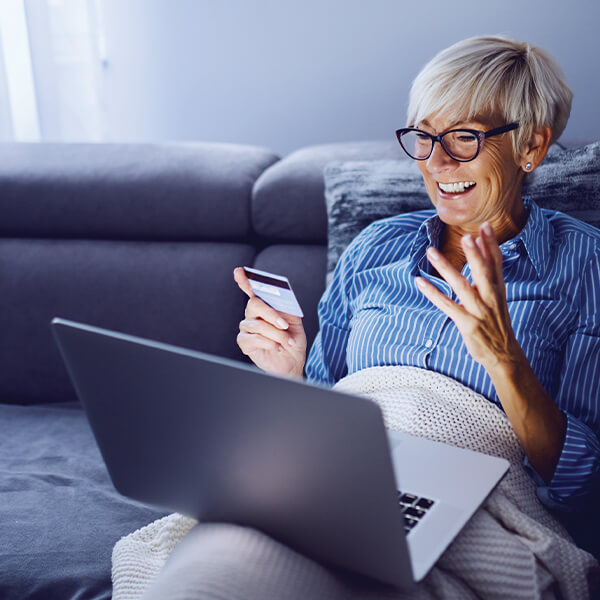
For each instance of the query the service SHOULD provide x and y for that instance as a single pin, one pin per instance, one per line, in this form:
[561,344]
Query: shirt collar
[536,237]
[428,234]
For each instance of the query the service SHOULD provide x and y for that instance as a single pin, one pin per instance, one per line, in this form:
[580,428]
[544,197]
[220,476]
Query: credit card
[275,290]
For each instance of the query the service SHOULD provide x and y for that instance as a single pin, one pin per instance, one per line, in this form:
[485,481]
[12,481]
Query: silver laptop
[313,468]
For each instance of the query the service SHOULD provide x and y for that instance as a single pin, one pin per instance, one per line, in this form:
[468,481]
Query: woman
[488,289]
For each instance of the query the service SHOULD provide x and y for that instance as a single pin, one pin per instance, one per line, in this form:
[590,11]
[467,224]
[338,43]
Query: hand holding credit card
[275,290]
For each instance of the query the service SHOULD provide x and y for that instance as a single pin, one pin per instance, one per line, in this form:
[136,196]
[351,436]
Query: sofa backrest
[143,238]
[138,238]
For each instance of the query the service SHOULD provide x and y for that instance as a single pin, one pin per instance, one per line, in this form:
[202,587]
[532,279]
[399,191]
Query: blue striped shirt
[372,314]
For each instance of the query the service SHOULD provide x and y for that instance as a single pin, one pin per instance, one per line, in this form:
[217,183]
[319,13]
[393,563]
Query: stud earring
[528,166]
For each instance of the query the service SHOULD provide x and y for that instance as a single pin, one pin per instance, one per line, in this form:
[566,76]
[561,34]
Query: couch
[142,239]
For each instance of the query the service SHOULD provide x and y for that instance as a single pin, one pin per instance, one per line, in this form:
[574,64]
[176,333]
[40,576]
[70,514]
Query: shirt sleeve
[578,470]
[326,361]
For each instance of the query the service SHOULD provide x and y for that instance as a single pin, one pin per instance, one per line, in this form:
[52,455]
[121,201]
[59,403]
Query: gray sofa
[141,239]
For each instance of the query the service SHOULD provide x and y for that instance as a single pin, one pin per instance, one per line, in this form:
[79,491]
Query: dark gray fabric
[128,191]
[177,292]
[59,514]
[360,192]
[305,268]
[569,181]
[287,200]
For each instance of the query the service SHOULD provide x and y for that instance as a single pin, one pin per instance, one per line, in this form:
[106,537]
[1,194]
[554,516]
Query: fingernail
[291,341]
[468,240]
[487,228]
[433,253]
[282,324]
[420,282]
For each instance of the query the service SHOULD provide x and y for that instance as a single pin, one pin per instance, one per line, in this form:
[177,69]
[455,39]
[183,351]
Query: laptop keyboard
[413,508]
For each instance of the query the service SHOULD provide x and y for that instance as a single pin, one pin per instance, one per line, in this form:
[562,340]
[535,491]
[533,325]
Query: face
[491,189]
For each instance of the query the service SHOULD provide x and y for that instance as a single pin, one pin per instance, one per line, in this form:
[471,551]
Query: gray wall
[285,74]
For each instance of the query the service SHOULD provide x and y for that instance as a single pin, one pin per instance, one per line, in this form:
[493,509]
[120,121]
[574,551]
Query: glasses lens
[416,144]
[461,144]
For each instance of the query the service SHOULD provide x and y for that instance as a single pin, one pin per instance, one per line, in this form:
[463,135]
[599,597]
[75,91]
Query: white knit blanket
[511,548]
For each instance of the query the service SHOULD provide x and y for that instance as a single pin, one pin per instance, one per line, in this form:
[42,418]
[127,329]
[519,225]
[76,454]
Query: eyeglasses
[462,145]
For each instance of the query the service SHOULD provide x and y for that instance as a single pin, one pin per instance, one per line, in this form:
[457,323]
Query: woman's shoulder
[386,239]
[574,246]
[571,232]
[396,226]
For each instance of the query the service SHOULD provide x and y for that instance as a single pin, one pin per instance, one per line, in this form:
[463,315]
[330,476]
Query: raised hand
[482,316]
[484,323]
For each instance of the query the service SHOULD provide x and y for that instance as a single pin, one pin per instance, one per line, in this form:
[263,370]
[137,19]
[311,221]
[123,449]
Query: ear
[535,150]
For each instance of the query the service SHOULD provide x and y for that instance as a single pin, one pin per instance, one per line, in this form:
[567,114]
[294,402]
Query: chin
[454,212]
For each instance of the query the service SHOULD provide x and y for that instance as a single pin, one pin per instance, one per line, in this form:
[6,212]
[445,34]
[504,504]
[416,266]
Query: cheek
[430,184]
[497,169]
[422,169]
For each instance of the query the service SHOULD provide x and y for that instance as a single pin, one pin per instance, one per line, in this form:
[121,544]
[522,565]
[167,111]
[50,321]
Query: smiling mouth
[458,187]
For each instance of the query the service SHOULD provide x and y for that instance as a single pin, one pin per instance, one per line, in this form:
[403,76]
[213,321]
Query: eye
[466,137]
[422,136]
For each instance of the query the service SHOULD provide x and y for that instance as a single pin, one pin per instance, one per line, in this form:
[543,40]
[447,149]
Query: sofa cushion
[359,192]
[60,515]
[569,181]
[185,191]
[287,200]
[176,292]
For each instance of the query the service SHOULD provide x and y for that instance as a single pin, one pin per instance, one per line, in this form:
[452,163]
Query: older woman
[488,288]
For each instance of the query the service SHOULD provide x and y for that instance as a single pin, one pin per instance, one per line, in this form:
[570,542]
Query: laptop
[314,468]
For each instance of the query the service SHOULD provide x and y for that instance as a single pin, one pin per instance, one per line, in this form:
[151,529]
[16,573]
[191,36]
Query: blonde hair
[494,76]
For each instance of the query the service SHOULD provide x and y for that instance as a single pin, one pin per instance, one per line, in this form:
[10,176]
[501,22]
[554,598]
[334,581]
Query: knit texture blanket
[511,548]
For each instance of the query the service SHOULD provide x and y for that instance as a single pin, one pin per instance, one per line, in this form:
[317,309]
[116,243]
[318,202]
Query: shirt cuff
[575,472]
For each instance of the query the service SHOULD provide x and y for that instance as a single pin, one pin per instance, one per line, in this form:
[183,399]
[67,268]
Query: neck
[505,226]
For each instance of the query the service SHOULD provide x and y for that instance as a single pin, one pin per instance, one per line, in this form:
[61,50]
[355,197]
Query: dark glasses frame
[481,136]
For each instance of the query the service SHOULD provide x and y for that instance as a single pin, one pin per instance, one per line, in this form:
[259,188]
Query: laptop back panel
[220,441]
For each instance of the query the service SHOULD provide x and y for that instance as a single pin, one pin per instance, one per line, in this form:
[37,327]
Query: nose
[439,160]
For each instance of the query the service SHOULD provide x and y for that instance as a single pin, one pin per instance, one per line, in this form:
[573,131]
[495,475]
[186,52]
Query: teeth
[456,188]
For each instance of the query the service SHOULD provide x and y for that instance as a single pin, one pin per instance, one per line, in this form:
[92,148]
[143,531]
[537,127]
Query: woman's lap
[229,562]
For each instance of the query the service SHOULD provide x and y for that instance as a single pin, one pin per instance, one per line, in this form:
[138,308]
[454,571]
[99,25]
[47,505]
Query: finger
[493,249]
[257,308]
[451,309]
[482,270]
[243,282]
[250,343]
[461,286]
[482,247]
[266,330]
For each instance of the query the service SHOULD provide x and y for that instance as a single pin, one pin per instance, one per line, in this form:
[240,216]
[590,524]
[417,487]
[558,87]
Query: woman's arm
[539,424]
[483,320]
[326,362]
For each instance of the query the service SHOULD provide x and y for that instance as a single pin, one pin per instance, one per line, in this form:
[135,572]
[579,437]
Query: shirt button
[429,343]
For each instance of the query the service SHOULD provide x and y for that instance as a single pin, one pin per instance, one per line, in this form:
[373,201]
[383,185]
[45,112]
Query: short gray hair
[493,75]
